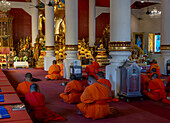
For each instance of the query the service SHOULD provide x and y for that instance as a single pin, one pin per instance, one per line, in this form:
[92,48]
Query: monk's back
[94,101]
[23,88]
[156,84]
[106,82]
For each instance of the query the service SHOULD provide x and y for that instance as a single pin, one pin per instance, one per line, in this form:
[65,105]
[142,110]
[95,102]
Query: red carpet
[146,111]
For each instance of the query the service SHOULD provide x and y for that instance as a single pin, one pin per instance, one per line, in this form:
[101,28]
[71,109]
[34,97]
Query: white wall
[135,23]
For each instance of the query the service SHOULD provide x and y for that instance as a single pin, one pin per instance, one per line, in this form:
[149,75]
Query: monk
[96,65]
[154,68]
[23,88]
[90,69]
[54,71]
[73,91]
[94,100]
[156,90]
[35,102]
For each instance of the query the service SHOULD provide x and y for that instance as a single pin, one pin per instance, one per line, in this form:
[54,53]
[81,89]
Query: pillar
[71,43]
[92,24]
[165,37]
[49,36]
[120,40]
[34,20]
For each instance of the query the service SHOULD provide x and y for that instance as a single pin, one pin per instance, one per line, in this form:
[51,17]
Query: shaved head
[91,80]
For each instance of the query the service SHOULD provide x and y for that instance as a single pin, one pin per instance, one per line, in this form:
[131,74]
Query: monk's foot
[79,112]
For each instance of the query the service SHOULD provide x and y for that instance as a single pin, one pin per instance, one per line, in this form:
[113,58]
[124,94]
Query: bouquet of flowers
[25,58]
[16,58]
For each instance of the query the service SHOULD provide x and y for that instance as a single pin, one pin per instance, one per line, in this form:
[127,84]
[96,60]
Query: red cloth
[94,101]
[90,69]
[96,66]
[144,82]
[35,101]
[72,92]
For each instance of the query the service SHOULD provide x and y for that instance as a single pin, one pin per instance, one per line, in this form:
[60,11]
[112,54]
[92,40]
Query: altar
[21,64]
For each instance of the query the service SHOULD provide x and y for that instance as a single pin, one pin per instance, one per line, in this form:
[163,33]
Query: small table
[21,64]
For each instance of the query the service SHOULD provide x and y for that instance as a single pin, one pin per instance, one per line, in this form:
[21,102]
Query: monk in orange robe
[94,100]
[144,82]
[154,68]
[54,71]
[73,91]
[96,65]
[23,88]
[61,68]
[35,102]
[156,90]
[90,69]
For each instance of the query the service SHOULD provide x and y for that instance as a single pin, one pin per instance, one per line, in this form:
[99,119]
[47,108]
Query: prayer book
[1,98]
[3,113]
[18,107]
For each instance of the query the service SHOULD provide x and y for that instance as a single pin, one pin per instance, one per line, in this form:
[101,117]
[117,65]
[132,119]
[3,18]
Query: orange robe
[23,88]
[157,90]
[54,72]
[91,71]
[35,102]
[96,66]
[72,92]
[106,82]
[144,82]
[94,101]
[61,68]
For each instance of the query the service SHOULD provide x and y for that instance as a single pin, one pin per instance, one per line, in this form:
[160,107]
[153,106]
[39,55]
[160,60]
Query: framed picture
[138,39]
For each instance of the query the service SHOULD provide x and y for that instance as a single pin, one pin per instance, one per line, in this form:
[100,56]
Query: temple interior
[123,36]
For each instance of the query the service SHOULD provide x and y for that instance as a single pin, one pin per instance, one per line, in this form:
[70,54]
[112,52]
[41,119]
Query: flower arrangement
[25,58]
[16,58]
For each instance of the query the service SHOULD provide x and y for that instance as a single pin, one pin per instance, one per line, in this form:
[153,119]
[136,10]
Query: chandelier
[5,6]
[155,13]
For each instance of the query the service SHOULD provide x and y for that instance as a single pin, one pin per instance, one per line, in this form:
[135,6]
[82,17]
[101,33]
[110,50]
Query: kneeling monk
[35,102]
[54,71]
[23,88]
[73,91]
[94,100]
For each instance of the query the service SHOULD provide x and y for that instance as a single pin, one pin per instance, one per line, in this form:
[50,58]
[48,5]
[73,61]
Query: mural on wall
[138,39]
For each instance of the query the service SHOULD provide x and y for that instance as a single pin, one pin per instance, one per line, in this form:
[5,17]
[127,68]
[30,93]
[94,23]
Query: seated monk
[153,71]
[154,68]
[73,91]
[96,65]
[54,71]
[144,82]
[156,90]
[23,88]
[90,69]
[35,103]
[94,100]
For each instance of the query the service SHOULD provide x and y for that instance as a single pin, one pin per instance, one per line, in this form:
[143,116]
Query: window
[154,42]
